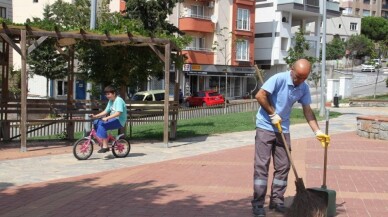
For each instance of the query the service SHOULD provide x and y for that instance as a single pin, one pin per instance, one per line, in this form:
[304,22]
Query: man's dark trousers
[267,144]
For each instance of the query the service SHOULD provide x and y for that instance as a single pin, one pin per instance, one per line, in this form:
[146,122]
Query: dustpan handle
[325,155]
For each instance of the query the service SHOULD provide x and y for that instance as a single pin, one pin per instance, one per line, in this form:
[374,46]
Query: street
[363,84]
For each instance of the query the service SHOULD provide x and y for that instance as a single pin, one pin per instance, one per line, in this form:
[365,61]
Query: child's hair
[110,89]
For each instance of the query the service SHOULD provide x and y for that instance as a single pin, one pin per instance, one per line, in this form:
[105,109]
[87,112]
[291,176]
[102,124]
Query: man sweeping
[276,98]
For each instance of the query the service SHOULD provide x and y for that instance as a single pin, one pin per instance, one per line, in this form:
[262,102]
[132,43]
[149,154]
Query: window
[243,19]
[159,96]
[347,11]
[242,53]
[284,43]
[366,13]
[35,1]
[197,44]
[61,88]
[197,11]
[3,12]
[353,26]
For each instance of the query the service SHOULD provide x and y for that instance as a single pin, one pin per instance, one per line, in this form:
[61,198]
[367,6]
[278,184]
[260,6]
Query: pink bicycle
[83,148]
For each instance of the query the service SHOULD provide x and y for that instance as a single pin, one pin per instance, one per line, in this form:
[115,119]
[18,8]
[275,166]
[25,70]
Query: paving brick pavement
[209,176]
[212,184]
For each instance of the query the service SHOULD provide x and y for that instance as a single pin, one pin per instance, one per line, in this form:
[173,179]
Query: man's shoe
[258,211]
[103,150]
[279,207]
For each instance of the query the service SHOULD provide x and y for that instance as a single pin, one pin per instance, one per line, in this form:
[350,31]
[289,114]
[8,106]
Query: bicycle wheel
[83,149]
[121,148]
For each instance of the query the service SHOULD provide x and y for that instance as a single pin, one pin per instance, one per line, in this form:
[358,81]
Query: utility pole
[323,72]
[93,12]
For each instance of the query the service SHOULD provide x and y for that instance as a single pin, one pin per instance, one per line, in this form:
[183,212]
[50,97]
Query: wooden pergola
[30,38]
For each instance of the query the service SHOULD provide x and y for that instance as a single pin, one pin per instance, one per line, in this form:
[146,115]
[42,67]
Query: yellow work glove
[323,138]
[277,121]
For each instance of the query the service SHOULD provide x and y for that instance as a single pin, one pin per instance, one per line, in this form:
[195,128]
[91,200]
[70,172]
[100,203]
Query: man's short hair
[110,89]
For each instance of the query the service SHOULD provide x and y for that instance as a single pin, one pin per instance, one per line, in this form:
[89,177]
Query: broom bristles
[306,203]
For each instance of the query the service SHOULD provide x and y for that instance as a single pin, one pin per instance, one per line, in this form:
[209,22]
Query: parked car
[151,95]
[367,67]
[205,98]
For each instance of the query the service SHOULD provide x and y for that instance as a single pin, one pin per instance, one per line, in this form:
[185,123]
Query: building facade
[343,26]
[221,54]
[364,8]
[276,24]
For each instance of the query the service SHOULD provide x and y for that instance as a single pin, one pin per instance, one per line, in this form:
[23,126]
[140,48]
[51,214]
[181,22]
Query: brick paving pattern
[213,184]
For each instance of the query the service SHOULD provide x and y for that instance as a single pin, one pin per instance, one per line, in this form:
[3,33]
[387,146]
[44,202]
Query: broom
[306,203]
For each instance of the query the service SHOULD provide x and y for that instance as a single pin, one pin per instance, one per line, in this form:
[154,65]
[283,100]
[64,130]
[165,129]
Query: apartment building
[276,24]
[364,8]
[6,9]
[229,24]
[344,26]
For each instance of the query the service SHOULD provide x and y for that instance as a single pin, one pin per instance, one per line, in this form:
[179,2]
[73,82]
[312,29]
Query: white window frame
[243,19]
[198,43]
[366,13]
[242,50]
[353,26]
[197,9]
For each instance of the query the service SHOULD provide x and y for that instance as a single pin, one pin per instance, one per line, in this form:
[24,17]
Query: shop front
[234,83]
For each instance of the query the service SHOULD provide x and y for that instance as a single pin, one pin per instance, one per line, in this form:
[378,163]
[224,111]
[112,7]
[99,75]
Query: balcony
[199,55]
[309,7]
[246,2]
[196,23]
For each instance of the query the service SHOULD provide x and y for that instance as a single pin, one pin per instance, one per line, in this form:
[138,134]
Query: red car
[205,98]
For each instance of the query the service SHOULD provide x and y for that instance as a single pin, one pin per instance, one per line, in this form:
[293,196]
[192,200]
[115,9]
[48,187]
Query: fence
[59,128]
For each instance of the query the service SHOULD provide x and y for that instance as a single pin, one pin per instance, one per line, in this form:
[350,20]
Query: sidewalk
[206,176]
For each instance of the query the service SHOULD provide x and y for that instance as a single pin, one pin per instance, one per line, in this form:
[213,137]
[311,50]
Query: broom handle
[289,154]
[325,155]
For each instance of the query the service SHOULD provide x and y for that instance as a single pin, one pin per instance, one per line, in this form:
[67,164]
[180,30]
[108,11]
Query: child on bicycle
[117,117]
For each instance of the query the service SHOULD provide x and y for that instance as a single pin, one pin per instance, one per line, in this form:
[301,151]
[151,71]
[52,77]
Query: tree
[375,28]
[360,45]
[119,64]
[47,62]
[153,15]
[335,49]
[298,51]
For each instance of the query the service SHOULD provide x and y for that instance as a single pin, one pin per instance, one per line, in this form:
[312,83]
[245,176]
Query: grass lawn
[378,97]
[212,125]
[205,126]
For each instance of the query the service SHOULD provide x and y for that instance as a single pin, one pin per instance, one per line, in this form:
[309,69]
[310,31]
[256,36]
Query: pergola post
[23,97]
[167,52]
[70,95]
[4,130]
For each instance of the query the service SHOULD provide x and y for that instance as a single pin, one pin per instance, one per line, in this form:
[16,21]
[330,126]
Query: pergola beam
[36,44]
[58,34]
[11,42]
[157,52]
